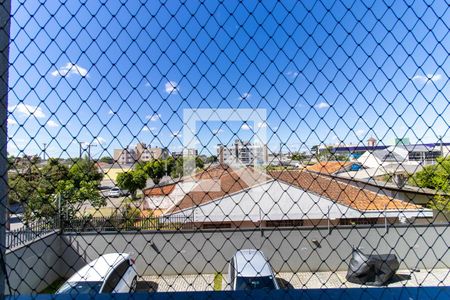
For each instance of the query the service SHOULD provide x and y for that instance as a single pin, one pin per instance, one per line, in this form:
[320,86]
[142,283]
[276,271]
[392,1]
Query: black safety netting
[224,145]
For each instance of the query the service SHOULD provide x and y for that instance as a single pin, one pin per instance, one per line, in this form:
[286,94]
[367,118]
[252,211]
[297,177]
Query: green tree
[199,163]
[85,170]
[132,181]
[298,156]
[435,177]
[55,188]
[155,170]
[107,159]
[211,159]
[178,170]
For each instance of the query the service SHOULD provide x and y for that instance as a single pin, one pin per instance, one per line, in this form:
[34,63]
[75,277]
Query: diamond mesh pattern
[184,134]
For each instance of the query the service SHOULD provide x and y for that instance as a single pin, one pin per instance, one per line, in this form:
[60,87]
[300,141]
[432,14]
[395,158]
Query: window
[115,277]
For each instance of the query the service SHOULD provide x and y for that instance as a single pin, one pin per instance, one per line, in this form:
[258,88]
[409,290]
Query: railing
[29,232]
[102,224]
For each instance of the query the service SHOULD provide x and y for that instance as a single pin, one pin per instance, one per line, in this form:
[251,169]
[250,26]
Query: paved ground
[439,277]
[178,283]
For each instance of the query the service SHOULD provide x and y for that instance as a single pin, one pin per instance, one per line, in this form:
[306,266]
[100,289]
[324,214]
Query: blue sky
[115,74]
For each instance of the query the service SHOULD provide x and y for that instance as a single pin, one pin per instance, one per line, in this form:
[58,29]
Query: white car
[249,270]
[116,192]
[110,273]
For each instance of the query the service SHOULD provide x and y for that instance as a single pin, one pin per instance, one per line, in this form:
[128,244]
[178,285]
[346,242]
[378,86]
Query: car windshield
[82,287]
[252,283]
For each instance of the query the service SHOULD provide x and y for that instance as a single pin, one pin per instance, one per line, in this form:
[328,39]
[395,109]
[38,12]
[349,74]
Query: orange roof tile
[159,190]
[328,167]
[346,194]
[228,180]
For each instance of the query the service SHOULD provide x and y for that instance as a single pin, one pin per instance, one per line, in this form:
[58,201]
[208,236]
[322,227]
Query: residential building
[244,152]
[249,198]
[141,152]
[124,156]
[371,142]
[146,153]
[190,152]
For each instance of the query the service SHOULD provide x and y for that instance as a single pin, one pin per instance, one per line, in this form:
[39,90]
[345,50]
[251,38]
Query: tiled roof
[218,182]
[328,167]
[159,190]
[346,194]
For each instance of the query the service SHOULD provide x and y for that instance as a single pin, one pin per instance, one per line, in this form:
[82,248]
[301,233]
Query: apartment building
[141,152]
[146,153]
[124,156]
[243,152]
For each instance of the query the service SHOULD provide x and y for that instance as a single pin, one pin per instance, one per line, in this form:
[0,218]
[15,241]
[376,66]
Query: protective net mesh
[231,145]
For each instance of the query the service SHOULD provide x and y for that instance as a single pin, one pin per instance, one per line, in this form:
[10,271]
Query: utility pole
[89,150]
[81,149]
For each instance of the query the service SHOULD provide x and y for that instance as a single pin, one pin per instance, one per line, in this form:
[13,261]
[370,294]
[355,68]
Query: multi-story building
[140,153]
[124,156]
[243,152]
[146,153]
[190,152]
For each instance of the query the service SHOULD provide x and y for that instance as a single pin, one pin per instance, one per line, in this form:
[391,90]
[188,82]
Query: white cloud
[52,124]
[110,112]
[11,122]
[245,96]
[27,110]
[99,141]
[245,126]
[147,84]
[171,87]
[427,78]
[70,69]
[360,132]
[153,118]
[146,128]
[322,105]
[292,74]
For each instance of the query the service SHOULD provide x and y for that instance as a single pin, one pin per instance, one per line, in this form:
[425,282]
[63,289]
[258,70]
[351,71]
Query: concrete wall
[295,250]
[35,265]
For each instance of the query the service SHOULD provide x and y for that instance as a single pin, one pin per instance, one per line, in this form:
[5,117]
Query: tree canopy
[132,181]
[45,191]
[435,177]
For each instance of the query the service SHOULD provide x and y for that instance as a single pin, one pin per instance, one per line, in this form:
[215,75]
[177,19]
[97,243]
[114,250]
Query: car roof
[99,269]
[251,263]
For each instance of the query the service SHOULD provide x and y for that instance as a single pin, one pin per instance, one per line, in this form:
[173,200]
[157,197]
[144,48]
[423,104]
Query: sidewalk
[205,282]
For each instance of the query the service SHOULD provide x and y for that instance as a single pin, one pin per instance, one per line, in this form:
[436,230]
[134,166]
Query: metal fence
[29,232]
[142,125]
[119,224]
